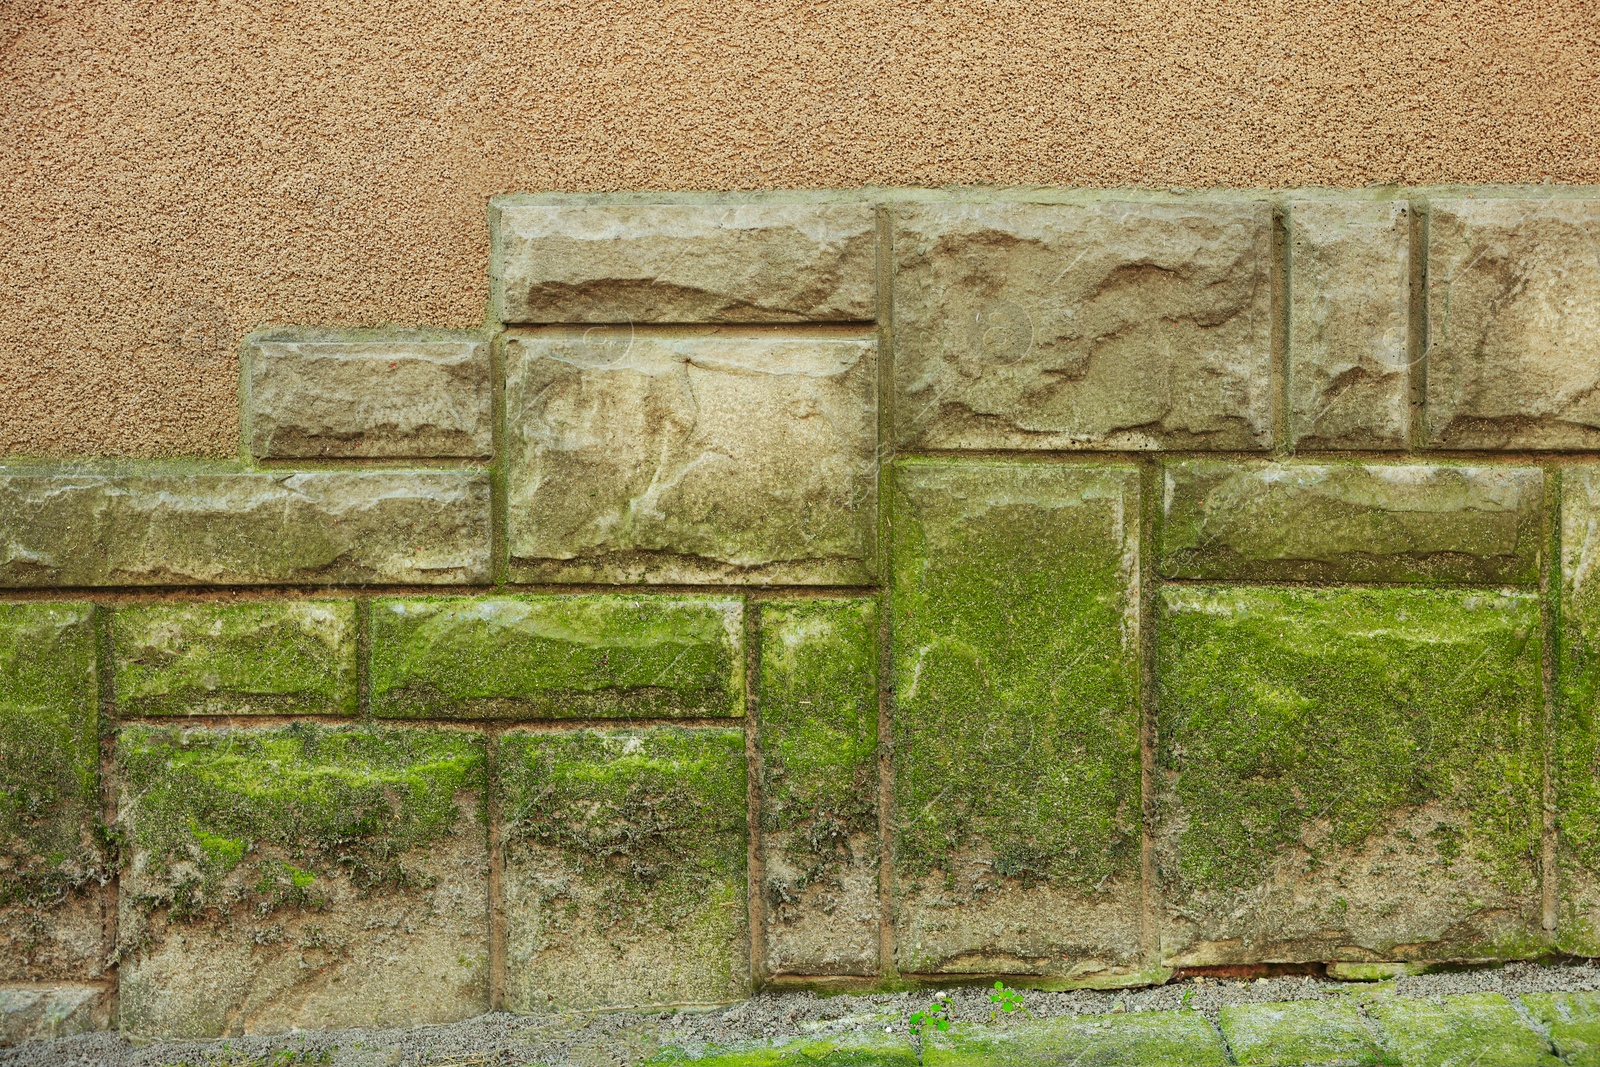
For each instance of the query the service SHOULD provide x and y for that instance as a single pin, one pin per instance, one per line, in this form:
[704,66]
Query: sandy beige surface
[178,173]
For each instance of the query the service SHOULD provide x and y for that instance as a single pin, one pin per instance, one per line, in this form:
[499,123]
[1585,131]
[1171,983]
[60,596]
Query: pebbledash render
[837,589]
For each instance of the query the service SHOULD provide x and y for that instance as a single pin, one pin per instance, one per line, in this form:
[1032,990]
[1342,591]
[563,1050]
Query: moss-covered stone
[1577,740]
[1573,1022]
[1350,774]
[1302,1033]
[624,867]
[1016,637]
[244,658]
[850,1050]
[818,733]
[1473,1028]
[1169,1038]
[48,1011]
[557,657]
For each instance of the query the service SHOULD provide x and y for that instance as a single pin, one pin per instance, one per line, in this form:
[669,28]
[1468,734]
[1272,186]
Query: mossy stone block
[870,1049]
[1577,740]
[263,658]
[557,657]
[1016,636]
[624,859]
[1350,774]
[1301,1033]
[1573,1022]
[41,1011]
[1471,1028]
[1169,1038]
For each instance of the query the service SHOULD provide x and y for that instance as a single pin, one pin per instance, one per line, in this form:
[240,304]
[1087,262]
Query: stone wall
[835,590]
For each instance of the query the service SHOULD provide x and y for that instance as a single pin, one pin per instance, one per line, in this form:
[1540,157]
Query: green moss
[1170,1038]
[1577,740]
[856,1050]
[1304,1033]
[1473,1028]
[1573,1023]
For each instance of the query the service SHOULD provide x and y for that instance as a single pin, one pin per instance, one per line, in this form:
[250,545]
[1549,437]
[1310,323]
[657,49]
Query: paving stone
[723,262]
[1353,522]
[1577,734]
[46,1011]
[1351,774]
[1169,1038]
[844,1050]
[625,867]
[183,524]
[557,657]
[1349,298]
[1476,1028]
[305,876]
[1303,1033]
[242,658]
[1016,637]
[707,459]
[1063,326]
[818,736]
[1513,355]
[1573,1022]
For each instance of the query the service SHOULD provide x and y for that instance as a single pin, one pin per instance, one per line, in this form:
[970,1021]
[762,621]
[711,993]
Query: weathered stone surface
[1349,774]
[178,524]
[1473,1028]
[1353,522]
[1577,733]
[715,458]
[367,398]
[1350,303]
[818,735]
[624,867]
[1513,355]
[1573,1022]
[1169,1038]
[1302,1033]
[1016,636]
[1108,325]
[31,1012]
[871,1048]
[241,658]
[303,876]
[550,657]
[687,262]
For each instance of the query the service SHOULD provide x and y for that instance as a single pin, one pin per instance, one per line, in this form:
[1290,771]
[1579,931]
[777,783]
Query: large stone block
[1107,325]
[301,877]
[727,262]
[1577,735]
[1169,1038]
[1513,356]
[818,735]
[47,1011]
[1350,774]
[1016,651]
[1301,1033]
[1353,522]
[1473,1028]
[557,657]
[161,524]
[715,458]
[624,867]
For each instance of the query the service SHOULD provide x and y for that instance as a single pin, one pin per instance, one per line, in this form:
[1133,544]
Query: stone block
[1577,734]
[42,1012]
[1350,308]
[373,398]
[557,657]
[305,876]
[706,459]
[1513,357]
[1353,522]
[728,262]
[1169,1038]
[177,524]
[1350,774]
[1016,651]
[624,860]
[1301,1033]
[862,1049]
[1573,1022]
[1100,326]
[241,658]
[1472,1028]
[818,736]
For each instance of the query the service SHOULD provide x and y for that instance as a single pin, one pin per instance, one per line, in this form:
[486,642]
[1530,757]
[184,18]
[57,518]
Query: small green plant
[1006,1000]
[937,1016]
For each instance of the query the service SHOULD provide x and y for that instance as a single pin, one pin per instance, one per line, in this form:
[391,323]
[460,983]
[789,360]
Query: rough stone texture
[1349,299]
[1573,1022]
[1172,1039]
[728,262]
[302,876]
[865,1049]
[1016,636]
[1304,1033]
[202,525]
[1105,325]
[1475,1028]
[624,867]
[32,1012]
[1349,774]
[547,657]
[367,398]
[818,736]
[716,458]
[1351,522]
[243,658]
[1577,734]
[1513,355]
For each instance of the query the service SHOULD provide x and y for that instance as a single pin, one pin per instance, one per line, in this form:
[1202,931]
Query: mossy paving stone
[856,1050]
[1573,1022]
[1577,735]
[1167,1038]
[1304,1033]
[1479,1029]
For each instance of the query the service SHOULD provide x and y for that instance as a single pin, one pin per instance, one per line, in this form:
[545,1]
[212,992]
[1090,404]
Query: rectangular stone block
[306,877]
[1349,774]
[1353,522]
[1513,356]
[624,859]
[1577,735]
[708,459]
[1350,308]
[1573,1022]
[371,398]
[1016,649]
[35,1012]
[557,657]
[1301,1033]
[175,524]
[725,262]
[1471,1028]
[241,658]
[1169,1038]
[1083,326]
[818,736]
